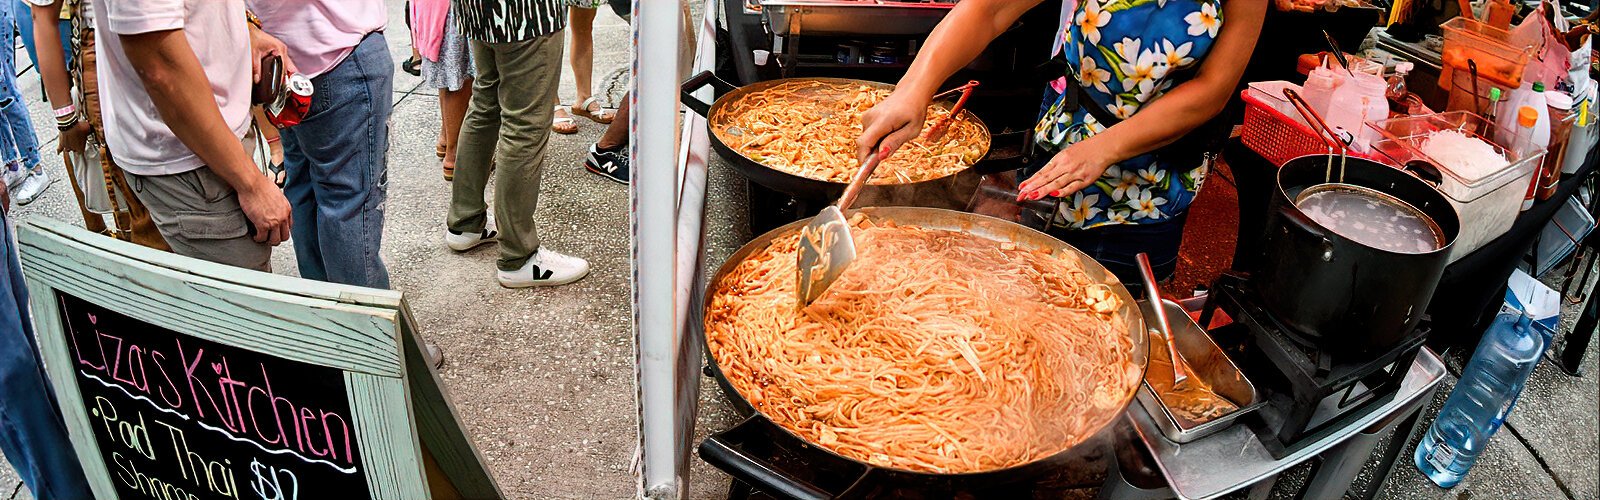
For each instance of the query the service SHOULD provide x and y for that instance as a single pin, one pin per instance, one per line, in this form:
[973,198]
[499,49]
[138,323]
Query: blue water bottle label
[1442,456]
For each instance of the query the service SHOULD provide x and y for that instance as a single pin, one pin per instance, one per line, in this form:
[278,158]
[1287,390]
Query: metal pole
[654,192]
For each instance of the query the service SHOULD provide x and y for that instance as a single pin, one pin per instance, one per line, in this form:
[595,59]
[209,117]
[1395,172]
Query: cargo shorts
[199,215]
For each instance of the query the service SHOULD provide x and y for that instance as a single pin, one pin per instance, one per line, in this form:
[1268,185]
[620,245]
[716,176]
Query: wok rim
[714,112]
[1129,308]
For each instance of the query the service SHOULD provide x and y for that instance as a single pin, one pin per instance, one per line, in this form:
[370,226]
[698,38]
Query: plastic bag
[90,175]
[1551,59]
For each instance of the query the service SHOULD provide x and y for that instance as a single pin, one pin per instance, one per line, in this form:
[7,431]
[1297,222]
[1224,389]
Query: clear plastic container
[1498,59]
[1487,202]
[1561,121]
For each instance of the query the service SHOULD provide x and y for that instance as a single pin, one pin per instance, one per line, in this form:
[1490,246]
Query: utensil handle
[697,82]
[1318,125]
[862,174]
[1153,295]
[719,451]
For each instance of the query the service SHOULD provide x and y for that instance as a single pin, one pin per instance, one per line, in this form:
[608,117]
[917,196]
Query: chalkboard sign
[179,417]
[185,380]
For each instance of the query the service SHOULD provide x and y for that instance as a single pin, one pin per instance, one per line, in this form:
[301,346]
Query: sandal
[449,173]
[413,66]
[602,116]
[564,125]
[439,150]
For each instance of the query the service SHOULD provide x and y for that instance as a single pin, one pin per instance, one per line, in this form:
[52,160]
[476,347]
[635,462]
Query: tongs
[826,248]
[938,129]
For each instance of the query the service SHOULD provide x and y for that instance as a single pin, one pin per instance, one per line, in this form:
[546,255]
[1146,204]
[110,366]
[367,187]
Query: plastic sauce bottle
[1319,89]
[1527,143]
[1489,386]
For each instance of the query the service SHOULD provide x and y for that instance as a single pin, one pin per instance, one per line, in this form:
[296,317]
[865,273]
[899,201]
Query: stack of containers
[1499,63]
[1487,201]
[1585,133]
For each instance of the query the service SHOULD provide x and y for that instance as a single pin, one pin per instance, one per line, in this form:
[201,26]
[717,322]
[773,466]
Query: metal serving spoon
[826,248]
[1180,368]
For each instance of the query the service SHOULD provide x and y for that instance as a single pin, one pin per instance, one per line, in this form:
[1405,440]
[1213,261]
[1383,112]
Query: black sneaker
[609,163]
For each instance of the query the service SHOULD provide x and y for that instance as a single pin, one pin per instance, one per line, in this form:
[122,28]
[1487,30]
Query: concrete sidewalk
[544,378]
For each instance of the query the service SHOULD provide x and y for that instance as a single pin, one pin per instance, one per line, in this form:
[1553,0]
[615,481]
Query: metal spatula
[826,248]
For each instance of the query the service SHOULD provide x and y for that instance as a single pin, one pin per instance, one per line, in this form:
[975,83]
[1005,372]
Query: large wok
[730,450]
[951,191]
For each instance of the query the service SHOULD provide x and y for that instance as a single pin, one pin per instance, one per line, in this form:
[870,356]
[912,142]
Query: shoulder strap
[1077,97]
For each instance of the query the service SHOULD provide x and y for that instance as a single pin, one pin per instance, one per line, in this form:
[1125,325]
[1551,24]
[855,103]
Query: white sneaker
[13,175]
[32,187]
[462,242]
[546,268]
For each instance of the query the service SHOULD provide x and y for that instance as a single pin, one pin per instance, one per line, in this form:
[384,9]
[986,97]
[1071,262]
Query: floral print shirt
[1126,54]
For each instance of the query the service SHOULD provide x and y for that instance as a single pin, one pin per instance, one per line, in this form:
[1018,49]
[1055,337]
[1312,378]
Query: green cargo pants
[505,132]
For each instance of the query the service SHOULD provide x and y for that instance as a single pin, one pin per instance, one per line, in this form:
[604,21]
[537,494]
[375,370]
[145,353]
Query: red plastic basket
[1276,136]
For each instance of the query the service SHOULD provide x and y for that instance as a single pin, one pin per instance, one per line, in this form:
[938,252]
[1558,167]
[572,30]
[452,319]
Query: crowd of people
[206,174]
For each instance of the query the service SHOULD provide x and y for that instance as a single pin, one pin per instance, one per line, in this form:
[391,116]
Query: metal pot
[951,191]
[1341,295]
[762,454]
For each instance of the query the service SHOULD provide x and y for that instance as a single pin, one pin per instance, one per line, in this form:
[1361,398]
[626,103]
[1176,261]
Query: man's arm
[171,73]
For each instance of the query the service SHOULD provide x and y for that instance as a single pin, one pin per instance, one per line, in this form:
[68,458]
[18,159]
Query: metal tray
[1208,362]
[852,17]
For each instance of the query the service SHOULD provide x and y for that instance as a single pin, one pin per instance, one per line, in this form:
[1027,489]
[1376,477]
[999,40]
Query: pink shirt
[319,33]
[135,131]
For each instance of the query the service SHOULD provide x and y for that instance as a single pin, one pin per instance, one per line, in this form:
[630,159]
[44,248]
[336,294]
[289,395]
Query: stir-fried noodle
[936,351]
[809,128]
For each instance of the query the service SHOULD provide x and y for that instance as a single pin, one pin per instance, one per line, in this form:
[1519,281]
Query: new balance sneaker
[609,163]
[462,242]
[32,186]
[546,268]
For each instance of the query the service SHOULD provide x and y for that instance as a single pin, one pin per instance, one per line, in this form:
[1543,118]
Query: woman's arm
[53,70]
[1164,120]
[959,38]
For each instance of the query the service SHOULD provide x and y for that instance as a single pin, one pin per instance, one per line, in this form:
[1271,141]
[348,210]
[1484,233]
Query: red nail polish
[1056,193]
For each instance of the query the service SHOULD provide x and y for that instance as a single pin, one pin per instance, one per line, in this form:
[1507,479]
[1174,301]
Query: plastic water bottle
[1482,398]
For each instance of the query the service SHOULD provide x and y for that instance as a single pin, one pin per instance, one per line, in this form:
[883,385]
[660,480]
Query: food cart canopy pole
[661,347]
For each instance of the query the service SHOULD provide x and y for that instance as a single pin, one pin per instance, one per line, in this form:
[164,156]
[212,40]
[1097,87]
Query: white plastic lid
[1404,67]
[1558,99]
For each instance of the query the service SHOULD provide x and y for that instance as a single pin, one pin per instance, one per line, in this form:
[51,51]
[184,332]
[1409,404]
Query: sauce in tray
[1194,401]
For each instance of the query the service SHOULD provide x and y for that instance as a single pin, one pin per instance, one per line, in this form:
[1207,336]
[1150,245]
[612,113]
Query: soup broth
[1372,221]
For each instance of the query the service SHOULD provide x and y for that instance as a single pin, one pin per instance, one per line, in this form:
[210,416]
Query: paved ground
[544,380]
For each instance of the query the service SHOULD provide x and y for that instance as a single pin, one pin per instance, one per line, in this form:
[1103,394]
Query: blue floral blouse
[1125,54]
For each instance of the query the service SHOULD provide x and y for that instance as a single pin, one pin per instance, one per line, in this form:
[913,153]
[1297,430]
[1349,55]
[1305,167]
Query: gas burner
[1309,392]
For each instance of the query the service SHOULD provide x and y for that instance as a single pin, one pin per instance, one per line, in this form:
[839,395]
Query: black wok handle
[1304,223]
[1424,172]
[718,451]
[697,82]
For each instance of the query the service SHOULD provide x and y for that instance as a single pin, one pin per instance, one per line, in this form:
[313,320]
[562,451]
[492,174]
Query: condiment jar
[1561,118]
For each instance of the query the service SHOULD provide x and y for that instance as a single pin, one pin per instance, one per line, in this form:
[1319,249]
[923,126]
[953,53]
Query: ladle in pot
[1180,368]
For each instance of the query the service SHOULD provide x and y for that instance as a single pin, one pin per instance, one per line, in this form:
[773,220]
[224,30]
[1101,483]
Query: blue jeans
[17,142]
[337,161]
[24,16]
[1117,246]
[32,434]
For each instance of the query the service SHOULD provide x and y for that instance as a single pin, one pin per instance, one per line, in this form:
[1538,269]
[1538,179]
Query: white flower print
[1091,74]
[1152,175]
[1204,21]
[1142,72]
[1126,180]
[1117,216]
[1146,207]
[1127,49]
[1177,56]
[1091,20]
[1121,109]
[1081,209]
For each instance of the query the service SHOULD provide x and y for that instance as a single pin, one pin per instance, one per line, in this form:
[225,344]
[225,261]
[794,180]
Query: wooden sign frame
[411,442]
